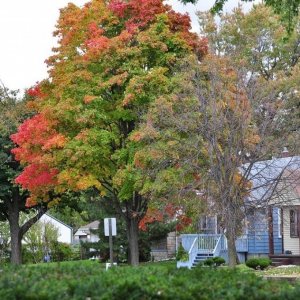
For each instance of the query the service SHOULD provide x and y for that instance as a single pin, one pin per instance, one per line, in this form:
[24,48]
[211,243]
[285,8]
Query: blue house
[272,218]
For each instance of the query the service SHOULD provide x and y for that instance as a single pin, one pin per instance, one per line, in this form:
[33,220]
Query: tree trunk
[16,247]
[16,231]
[133,237]
[232,254]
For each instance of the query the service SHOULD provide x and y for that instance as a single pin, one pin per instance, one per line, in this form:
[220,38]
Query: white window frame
[279,222]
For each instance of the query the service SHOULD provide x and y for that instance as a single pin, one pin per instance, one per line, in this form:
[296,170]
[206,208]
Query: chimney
[285,152]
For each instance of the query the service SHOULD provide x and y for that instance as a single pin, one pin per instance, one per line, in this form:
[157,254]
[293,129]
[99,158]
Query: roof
[266,175]
[61,222]
[92,225]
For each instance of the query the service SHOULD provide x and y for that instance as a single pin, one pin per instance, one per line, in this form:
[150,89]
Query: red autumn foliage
[170,212]
[118,7]
[35,92]
[36,176]
[139,13]
[35,136]
[151,216]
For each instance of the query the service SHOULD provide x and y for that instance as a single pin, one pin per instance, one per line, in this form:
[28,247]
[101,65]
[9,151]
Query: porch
[203,246]
[284,259]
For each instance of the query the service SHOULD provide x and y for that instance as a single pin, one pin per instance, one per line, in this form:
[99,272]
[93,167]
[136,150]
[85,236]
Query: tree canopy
[287,9]
[113,60]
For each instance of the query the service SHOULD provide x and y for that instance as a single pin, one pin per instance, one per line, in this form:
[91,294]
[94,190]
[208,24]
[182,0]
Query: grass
[292,271]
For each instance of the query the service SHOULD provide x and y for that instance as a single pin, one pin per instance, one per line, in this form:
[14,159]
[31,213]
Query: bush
[86,279]
[214,261]
[219,261]
[182,255]
[258,263]
[60,251]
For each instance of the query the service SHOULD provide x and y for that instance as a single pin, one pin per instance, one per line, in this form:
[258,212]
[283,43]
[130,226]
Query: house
[87,233]
[65,232]
[272,218]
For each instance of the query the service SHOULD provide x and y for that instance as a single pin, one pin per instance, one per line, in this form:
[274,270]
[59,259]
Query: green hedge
[82,280]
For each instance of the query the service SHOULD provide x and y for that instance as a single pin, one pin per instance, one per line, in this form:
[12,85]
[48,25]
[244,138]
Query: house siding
[258,240]
[65,233]
[258,235]
[290,244]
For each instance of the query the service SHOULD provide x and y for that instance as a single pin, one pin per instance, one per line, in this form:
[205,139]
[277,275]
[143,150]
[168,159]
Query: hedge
[82,280]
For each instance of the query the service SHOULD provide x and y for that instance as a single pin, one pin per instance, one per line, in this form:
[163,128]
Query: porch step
[200,257]
[279,261]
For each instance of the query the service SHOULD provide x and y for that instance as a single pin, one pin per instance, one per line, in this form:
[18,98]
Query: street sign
[113,226]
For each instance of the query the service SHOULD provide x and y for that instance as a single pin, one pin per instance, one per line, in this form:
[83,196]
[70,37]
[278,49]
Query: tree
[13,197]
[235,109]
[39,240]
[112,61]
[209,118]
[287,9]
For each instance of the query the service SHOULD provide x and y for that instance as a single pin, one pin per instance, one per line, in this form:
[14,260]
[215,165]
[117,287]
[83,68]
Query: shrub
[219,261]
[259,263]
[209,262]
[85,279]
[60,251]
[182,255]
[214,261]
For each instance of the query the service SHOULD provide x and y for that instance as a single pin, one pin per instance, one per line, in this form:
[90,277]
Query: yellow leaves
[86,182]
[53,202]
[243,185]
[77,180]
[253,140]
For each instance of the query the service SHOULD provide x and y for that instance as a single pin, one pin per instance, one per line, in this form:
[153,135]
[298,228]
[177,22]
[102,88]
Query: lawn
[89,280]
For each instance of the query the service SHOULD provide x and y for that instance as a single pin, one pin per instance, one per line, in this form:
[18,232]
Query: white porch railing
[200,243]
[208,244]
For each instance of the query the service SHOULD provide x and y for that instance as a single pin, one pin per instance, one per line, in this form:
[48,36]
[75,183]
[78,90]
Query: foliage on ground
[283,270]
[86,279]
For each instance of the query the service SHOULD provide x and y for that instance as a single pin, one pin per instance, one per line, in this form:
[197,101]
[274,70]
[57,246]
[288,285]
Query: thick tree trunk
[16,231]
[232,254]
[133,241]
[16,247]
[231,230]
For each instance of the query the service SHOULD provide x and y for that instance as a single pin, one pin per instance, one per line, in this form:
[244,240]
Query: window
[208,225]
[293,223]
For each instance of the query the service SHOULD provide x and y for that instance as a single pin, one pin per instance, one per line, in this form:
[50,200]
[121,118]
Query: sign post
[110,230]
[110,243]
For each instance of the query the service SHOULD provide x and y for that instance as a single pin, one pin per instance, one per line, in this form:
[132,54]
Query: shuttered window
[293,223]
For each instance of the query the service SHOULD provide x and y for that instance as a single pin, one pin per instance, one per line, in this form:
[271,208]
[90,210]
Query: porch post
[298,226]
[270,227]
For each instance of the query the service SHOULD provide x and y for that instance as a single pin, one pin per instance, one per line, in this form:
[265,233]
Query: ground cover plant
[283,271]
[87,279]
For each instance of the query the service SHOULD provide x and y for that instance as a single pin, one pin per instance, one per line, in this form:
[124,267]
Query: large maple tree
[113,60]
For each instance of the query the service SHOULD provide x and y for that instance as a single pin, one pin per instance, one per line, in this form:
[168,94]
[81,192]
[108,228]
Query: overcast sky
[26,36]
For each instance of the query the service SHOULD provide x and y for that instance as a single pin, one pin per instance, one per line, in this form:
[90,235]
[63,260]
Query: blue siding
[258,239]
[258,236]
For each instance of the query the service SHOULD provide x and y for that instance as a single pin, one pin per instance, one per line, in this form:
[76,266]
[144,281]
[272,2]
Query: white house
[65,232]
[87,233]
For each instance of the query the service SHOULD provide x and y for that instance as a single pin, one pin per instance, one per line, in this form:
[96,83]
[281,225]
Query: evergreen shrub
[258,263]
